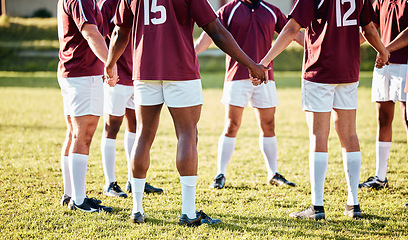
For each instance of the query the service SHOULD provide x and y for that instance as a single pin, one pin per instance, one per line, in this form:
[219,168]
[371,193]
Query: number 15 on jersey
[154,9]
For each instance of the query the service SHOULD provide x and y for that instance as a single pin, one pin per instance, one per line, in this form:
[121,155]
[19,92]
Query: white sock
[382,153]
[269,149]
[188,186]
[78,164]
[128,144]
[66,177]
[318,162]
[352,166]
[108,150]
[226,146]
[138,185]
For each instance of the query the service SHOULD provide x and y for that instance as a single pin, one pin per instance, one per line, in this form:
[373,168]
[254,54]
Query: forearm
[300,39]
[118,43]
[399,42]
[95,41]
[202,43]
[287,35]
[372,37]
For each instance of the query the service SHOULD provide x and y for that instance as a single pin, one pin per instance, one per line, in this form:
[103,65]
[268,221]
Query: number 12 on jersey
[344,21]
[154,9]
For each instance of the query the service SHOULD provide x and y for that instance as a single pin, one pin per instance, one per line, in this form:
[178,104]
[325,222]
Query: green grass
[32,130]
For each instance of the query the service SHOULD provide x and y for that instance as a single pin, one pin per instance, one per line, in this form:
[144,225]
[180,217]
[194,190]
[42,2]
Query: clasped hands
[111,75]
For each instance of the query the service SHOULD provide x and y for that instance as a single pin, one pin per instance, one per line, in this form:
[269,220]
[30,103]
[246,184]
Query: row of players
[165,70]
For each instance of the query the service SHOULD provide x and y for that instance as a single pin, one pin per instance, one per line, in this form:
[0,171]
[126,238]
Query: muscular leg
[227,140]
[108,146]
[185,122]
[64,158]
[267,139]
[83,130]
[319,128]
[345,124]
[385,116]
[404,117]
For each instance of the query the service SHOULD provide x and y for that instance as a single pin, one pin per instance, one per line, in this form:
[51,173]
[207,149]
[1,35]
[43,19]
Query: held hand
[258,73]
[111,76]
[382,59]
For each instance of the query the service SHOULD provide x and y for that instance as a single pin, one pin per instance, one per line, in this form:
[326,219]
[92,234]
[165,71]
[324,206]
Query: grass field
[32,130]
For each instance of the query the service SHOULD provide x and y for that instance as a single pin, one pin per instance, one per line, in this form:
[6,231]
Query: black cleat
[219,181]
[137,218]
[279,180]
[89,205]
[128,187]
[185,221]
[113,190]
[374,183]
[65,200]
[207,220]
[406,204]
[150,189]
[312,212]
[353,211]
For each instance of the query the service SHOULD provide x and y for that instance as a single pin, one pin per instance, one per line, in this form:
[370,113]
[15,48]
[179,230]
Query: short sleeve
[367,13]
[201,12]
[124,15]
[303,11]
[281,21]
[83,12]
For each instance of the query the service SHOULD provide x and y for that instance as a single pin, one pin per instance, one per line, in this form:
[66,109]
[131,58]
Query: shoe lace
[204,216]
[116,187]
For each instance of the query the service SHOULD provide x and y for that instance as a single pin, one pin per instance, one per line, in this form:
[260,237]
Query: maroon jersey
[253,27]
[162,36]
[76,57]
[392,17]
[332,45]
[124,64]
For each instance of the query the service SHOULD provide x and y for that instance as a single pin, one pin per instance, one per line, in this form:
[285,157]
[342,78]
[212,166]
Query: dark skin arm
[118,43]
[224,40]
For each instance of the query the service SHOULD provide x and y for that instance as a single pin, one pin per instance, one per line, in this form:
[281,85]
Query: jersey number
[154,9]
[343,21]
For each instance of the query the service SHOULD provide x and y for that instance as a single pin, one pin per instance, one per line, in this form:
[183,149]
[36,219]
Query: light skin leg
[83,130]
[68,138]
[345,125]
[266,120]
[319,129]
[185,122]
[233,117]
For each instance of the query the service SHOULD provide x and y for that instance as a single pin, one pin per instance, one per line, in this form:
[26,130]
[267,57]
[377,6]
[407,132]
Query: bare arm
[202,43]
[224,40]
[287,35]
[399,42]
[95,41]
[371,35]
[300,39]
[118,43]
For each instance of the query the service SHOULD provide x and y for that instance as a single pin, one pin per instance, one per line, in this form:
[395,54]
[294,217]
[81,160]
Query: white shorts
[241,92]
[389,83]
[82,95]
[321,97]
[174,94]
[117,99]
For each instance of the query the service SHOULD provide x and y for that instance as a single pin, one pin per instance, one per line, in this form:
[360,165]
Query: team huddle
[124,59]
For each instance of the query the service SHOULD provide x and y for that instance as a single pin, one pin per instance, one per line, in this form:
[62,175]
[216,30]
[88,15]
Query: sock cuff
[267,139]
[79,157]
[190,181]
[319,155]
[228,139]
[383,144]
[130,134]
[352,155]
[108,141]
[138,184]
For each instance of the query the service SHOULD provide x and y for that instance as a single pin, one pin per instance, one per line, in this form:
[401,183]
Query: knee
[112,129]
[268,128]
[232,128]
[385,120]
